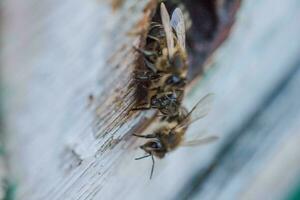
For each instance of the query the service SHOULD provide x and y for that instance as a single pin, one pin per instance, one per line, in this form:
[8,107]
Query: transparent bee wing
[202,107]
[165,18]
[177,22]
[200,110]
[198,142]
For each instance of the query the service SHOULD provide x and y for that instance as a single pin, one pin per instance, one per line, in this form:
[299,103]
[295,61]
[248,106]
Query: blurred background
[66,91]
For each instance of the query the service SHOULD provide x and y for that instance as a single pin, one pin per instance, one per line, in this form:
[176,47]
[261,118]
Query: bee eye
[155,145]
[173,79]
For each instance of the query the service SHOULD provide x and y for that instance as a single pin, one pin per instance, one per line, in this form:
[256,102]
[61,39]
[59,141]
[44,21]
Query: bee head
[154,147]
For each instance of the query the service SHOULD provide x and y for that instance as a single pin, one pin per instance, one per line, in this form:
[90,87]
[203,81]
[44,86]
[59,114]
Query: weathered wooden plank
[52,131]
[53,59]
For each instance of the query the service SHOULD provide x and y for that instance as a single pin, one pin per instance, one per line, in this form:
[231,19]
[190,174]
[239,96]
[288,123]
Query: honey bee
[167,61]
[174,57]
[170,135]
[166,52]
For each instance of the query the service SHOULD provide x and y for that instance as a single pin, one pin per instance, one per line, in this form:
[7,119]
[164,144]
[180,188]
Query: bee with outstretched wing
[171,135]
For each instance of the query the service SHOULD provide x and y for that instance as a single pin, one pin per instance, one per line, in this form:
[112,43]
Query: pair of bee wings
[177,22]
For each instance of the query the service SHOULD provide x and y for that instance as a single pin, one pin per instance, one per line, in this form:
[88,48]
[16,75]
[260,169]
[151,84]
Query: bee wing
[202,107]
[201,141]
[177,22]
[200,110]
[165,18]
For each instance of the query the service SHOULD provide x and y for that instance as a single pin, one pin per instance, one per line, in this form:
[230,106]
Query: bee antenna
[146,156]
[152,168]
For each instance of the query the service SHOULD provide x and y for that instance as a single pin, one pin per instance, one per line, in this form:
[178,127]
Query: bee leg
[150,65]
[145,53]
[155,25]
[145,136]
[142,76]
[153,37]
[142,107]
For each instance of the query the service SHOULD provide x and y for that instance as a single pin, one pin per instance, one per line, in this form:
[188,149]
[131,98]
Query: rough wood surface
[62,146]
